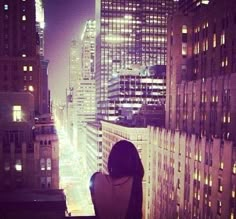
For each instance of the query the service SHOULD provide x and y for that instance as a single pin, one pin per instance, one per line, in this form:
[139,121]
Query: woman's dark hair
[123,161]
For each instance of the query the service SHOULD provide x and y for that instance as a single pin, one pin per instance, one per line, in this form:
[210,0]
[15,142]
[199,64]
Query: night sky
[65,21]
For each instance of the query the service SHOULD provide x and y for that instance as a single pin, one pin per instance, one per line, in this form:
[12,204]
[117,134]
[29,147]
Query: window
[219,206]
[42,164]
[18,165]
[6,7]
[220,186]
[234,168]
[49,164]
[23,18]
[17,114]
[31,88]
[222,38]
[214,40]
[184,49]
[7,166]
[184,29]
[25,68]
[30,68]
[49,182]
[42,182]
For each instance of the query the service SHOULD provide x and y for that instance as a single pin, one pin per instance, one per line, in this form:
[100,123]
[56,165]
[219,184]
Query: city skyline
[63,23]
[160,74]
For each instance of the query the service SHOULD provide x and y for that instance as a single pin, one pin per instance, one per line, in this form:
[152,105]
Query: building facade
[46,154]
[20,49]
[201,72]
[187,6]
[16,140]
[94,147]
[191,177]
[88,50]
[129,89]
[128,32]
[197,152]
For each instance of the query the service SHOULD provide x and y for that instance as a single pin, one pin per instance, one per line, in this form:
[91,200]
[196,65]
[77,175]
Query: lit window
[210,181]
[222,38]
[30,68]
[49,164]
[214,40]
[5,7]
[184,29]
[7,166]
[42,164]
[31,88]
[17,114]
[23,18]
[219,207]
[184,49]
[233,194]
[232,215]
[25,68]
[18,165]
[209,203]
[206,180]
[234,168]
[221,165]
[23,55]
[220,186]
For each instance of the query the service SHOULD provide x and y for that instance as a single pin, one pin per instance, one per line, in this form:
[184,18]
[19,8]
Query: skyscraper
[19,49]
[196,156]
[190,5]
[128,32]
[88,50]
[85,90]
[23,96]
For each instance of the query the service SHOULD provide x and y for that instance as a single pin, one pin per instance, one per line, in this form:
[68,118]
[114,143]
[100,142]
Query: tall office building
[23,95]
[74,64]
[19,53]
[130,89]
[198,157]
[88,50]
[191,5]
[128,32]
[40,25]
[85,88]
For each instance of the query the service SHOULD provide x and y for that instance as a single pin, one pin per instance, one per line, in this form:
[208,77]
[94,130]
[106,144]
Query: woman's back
[111,196]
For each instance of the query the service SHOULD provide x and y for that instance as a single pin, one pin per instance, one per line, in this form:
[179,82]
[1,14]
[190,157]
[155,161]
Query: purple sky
[65,21]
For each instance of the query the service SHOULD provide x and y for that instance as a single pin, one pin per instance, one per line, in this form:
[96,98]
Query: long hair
[123,161]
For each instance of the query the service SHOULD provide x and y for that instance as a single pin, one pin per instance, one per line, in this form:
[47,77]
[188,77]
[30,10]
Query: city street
[73,177]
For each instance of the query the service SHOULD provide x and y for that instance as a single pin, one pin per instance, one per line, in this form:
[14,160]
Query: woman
[119,194]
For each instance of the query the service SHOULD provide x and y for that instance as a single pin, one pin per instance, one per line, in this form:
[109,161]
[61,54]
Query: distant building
[85,95]
[46,154]
[94,147]
[187,6]
[85,102]
[129,89]
[88,50]
[128,32]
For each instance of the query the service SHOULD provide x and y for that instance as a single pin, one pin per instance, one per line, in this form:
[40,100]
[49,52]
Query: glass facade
[129,32]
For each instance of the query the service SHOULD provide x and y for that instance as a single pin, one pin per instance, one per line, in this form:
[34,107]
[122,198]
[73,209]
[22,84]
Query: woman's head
[124,160]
